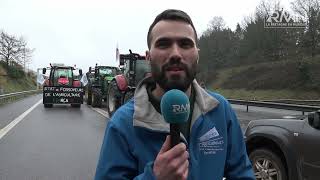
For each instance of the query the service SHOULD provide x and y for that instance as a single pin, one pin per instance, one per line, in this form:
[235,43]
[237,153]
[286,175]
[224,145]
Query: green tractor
[99,78]
[122,87]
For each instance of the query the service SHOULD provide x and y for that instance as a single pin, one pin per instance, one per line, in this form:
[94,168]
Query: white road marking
[6,129]
[288,117]
[102,112]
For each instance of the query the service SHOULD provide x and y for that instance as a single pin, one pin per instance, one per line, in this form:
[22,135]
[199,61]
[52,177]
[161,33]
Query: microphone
[175,108]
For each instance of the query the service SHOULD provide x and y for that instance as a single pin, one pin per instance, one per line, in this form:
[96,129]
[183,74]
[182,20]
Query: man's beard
[174,81]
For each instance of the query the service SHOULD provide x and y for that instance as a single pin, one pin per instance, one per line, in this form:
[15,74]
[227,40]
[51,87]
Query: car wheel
[96,97]
[76,105]
[48,105]
[267,165]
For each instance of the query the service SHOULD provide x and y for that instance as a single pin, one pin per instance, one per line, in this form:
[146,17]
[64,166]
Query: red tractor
[62,86]
[134,68]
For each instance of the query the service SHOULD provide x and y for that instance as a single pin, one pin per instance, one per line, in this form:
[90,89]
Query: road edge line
[102,112]
[13,123]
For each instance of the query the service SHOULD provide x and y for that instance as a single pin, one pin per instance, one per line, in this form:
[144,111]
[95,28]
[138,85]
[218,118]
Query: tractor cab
[135,67]
[102,73]
[63,76]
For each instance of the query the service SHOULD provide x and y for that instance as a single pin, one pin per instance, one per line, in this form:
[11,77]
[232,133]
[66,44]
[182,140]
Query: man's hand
[171,163]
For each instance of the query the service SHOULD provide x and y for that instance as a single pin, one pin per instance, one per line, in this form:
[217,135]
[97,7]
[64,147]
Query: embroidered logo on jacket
[211,142]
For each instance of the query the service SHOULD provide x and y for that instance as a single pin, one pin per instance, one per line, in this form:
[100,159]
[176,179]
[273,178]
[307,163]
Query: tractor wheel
[114,98]
[48,105]
[127,96]
[76,105]
[96,97]
[89,96]
[267,165]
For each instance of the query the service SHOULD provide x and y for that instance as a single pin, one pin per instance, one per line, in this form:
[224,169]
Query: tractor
[62,86]
[99,78]
[134,68]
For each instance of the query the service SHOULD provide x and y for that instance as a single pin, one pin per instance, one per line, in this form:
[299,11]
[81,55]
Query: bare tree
[217,24]
[25,55]
[304,7]
[13,49]
[267,8]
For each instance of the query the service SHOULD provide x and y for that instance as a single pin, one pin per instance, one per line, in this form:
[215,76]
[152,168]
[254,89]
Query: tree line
[252,43]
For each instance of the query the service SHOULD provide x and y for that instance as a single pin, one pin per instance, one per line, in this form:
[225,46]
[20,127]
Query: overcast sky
[85,32]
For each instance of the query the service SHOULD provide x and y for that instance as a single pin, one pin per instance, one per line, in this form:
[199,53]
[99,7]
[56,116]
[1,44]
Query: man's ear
[148,58]
[198,55]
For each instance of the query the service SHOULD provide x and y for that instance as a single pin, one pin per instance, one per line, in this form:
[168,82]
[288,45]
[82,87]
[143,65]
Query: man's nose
[175,52]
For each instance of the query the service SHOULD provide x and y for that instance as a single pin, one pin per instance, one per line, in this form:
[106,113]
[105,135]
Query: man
[136,143]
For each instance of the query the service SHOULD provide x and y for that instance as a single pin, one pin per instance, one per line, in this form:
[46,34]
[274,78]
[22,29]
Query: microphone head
[175,106]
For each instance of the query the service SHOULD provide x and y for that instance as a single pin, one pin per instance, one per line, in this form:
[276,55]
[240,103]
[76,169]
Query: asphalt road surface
[57,143]
[255,113]
[63,143]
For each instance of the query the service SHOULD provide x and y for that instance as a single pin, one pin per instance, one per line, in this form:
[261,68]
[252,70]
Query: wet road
[55,143]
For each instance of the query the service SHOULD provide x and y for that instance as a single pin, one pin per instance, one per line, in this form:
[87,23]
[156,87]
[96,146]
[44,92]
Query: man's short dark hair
[174,15]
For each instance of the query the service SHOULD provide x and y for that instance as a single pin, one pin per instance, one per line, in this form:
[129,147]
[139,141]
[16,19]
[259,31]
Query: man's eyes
[163,44]
[185,44]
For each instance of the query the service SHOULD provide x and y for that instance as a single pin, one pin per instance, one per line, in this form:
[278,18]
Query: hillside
[275,80]
[9,84]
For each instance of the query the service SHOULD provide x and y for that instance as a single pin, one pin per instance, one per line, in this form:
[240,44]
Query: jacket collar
[146,116]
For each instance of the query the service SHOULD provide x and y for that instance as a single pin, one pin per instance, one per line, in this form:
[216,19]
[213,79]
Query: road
[64,142]
[255,113]
[56,143]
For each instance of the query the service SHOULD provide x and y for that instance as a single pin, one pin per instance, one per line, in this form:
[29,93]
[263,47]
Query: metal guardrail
[294,107]
[292,100]
[296,101]
[5,98]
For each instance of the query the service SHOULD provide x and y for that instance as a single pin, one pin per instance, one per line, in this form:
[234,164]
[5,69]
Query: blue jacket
[136,132]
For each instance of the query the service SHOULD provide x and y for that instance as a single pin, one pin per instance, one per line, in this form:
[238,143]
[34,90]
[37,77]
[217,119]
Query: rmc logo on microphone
[180,108]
